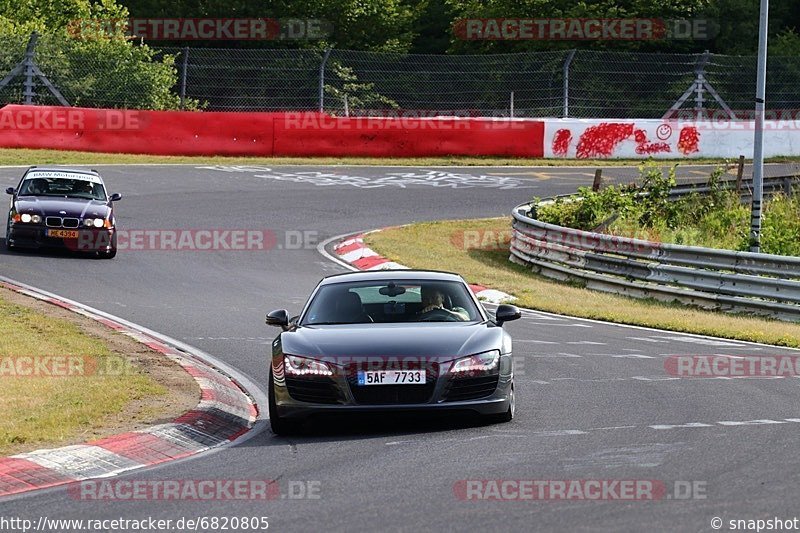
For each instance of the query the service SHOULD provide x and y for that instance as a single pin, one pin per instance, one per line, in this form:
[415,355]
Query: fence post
[29,69]
[511,105]
[700,83]
[322,80]
[184,71]
[567,63]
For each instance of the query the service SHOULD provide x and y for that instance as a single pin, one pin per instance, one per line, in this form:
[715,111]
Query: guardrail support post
[598,179]
[739,174]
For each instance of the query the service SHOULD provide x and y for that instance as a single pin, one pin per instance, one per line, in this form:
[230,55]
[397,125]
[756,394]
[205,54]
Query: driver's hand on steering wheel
[430,308]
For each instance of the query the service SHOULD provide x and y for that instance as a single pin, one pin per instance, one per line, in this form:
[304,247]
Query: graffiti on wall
[607,138]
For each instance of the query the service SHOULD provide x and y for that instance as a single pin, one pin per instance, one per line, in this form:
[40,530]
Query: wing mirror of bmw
[506,313]
[278,318]
[115,197]
[10,191]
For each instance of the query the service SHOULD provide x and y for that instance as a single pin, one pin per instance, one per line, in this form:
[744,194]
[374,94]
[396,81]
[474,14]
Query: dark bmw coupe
[400,340]
[62,208]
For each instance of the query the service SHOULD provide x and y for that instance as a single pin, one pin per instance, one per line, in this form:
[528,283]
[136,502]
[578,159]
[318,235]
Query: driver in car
[433,300]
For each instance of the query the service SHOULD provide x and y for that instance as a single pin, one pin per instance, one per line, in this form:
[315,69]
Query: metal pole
[29,69]
[184,74]
[512,104]
[758,144]
[567,63]
[322,80]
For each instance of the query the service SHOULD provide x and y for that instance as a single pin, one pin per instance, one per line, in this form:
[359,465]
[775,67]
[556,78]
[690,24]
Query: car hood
[74,207]
[442,341]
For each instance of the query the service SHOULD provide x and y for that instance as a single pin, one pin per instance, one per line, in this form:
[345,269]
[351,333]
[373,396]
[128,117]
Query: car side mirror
[506,313]
[279,318]
[11,191]
[115,197]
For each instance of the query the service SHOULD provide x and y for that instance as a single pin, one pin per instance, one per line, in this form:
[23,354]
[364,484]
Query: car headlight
[303,366]
[27,218]
[96,222]
[478,364]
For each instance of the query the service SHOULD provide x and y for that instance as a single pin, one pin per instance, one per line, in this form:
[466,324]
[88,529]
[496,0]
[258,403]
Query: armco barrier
[720,279]
[263,134]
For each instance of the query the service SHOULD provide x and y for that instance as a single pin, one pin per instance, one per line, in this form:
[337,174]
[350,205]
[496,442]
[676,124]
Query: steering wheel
[438,315]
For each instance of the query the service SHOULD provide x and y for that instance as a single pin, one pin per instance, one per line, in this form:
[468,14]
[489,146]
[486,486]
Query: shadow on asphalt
[43,252]
[341,427]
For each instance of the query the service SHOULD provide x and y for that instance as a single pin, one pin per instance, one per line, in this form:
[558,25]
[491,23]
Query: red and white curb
[225,412]
[352,251]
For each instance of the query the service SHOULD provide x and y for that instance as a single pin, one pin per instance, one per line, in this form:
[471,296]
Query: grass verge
[25,157]
[112,384]
[443,251]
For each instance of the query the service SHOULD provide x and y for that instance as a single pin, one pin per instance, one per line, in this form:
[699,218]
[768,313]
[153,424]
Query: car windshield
[77,187]
[365,302]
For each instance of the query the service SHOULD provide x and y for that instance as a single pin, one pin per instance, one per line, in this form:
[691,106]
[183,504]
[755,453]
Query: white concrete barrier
[716,137]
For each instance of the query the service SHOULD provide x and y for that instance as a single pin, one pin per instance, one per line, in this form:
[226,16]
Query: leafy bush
[717,219]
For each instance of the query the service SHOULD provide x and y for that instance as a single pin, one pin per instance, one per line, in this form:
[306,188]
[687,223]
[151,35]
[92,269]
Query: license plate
[62,233]
[391,377]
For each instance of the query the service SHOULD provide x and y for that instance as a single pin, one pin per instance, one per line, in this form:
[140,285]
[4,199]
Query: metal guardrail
[772,185]
[744,282]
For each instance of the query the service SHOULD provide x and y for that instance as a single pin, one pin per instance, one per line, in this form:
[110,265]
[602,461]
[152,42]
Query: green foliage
[94,69]
[360,95]
[717,219]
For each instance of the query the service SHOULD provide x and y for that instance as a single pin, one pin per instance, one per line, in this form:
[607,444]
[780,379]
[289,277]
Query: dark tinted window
[391,301]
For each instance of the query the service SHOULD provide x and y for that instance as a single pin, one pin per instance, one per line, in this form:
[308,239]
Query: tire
[508,416]
[112,253]
[9,246]
[280,426]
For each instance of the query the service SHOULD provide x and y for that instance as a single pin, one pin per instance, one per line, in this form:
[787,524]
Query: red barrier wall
[322,135]
[262,134]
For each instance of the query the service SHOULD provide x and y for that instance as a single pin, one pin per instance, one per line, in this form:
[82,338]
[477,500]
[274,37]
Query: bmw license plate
[391,377]
[62,233]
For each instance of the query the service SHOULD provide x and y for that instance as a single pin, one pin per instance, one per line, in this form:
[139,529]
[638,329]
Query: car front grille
[471,388]
[313,390]
[58,222]
[394,394]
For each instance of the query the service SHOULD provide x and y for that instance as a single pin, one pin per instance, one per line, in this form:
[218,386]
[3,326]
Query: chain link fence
[567,83]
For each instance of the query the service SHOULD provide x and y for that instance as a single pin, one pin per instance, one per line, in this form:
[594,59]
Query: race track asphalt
[593,399]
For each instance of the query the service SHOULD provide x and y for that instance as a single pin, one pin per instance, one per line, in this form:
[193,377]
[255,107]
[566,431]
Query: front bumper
[302,397]
[34,236]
